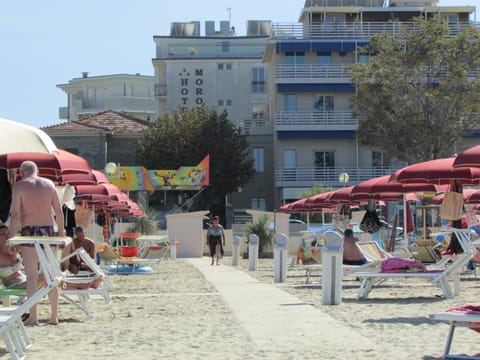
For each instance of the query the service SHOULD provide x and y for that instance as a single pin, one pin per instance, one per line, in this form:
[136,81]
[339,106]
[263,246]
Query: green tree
[419,93]
[186,137]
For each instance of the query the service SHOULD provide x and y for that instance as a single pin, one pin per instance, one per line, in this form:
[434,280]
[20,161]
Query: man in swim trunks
[33,199]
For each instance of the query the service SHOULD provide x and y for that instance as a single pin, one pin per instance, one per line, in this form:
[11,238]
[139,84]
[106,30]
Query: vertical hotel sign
[191,87]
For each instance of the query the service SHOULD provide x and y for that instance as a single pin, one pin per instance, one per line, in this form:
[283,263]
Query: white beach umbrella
[16,137]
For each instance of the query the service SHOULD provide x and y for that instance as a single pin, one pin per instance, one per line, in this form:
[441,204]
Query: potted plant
[265,232]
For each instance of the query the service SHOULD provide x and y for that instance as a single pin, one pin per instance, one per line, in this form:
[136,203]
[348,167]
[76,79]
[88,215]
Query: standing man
[33,199]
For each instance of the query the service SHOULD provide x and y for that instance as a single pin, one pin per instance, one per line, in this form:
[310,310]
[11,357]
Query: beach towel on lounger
[396,265]
[467,309]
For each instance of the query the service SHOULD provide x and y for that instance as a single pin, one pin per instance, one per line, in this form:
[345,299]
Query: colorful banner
[136,178]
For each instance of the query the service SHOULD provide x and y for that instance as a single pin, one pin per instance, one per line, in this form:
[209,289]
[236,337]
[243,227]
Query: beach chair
[85,284]
[439,277]
[455,320]
[110,256]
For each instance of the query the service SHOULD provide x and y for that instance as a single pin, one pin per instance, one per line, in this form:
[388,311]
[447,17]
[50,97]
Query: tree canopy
[186,137]
[418,94]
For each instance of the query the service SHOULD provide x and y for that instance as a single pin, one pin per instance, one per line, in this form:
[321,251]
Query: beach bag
[370,222]
[452,206]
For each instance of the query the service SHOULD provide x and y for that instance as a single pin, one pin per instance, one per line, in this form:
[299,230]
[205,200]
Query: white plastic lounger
[457,320]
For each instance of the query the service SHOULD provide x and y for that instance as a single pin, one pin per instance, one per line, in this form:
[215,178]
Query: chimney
[84,74]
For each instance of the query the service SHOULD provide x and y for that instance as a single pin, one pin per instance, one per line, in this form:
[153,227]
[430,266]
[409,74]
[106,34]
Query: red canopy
[382,184]
[468,158]
[99,189]
[52,165]
[438,171]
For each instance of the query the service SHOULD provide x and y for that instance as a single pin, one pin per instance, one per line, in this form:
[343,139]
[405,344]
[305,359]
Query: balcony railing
[308,71]
[310,176]
[329,120]
[261,126]
[354,31]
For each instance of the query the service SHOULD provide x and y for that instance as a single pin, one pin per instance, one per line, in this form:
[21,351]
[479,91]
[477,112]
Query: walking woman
[216,240]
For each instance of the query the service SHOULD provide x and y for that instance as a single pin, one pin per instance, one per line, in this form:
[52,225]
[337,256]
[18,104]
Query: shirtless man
[33,199]
[75,263]
[351,253]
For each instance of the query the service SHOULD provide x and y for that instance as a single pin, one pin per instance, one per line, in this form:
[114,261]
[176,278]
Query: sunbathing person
[10,274]
[351,253]
[304,254]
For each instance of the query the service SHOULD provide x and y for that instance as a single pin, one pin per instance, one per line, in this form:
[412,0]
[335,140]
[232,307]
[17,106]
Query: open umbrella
[98,189]
[17,137]
[96,177]
[53,165]
[438,171]
[468,158]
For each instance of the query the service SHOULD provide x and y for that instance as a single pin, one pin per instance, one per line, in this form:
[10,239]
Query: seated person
[75,263]
[10,274]
[351,253]
[302,252]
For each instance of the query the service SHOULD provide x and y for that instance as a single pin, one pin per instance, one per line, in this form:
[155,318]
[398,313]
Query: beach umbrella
[96,177]
[382,185]
[98,189]
[438,171]
[16,137]
[470,196]
[468,158]
[52,166]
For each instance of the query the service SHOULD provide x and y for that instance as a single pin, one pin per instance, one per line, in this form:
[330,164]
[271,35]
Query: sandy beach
[176,313]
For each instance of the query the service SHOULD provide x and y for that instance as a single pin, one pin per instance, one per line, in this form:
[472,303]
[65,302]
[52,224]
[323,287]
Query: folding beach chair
[85,284]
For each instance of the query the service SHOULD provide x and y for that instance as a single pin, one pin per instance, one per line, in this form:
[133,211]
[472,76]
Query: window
[323,103]
[294,58]
[259,159]
[290,159]
[324,159]
[226,102]
[225,46]
[290,102]
[324,59]
[220,66]
[380,160]
[363,59]
[259,114]
[228,66]
[258,80]
[335,19]
[220,102]
[259,204]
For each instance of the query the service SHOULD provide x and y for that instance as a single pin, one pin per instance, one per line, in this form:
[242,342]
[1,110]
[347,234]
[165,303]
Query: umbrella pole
[405,236]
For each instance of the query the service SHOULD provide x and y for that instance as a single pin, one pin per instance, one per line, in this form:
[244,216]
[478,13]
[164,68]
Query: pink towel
[397,265]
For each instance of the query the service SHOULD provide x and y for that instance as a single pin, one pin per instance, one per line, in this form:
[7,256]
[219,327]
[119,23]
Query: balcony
[324,74]
[309,120]
[310,176]
[261,126]
[160,90]
[347,31]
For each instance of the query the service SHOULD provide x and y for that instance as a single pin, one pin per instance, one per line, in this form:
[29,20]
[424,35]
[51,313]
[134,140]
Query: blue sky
[45,43]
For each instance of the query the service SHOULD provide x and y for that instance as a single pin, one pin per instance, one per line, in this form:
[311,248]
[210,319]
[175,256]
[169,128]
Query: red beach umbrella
[438,171]
[52,165]
[468,158]
[382,184]
[98,189]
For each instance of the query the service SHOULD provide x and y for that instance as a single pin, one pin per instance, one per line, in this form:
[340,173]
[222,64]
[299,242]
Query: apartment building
[223,70]
[126,93]
[310,89]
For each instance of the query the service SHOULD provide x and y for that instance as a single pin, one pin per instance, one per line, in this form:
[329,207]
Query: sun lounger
[471,321]
[439,277]
[110,256]
[85,284]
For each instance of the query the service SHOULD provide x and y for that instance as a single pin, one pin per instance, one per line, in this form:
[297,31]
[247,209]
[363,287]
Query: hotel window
[324,58]
[220,102]
[259,204]
[324,159]
[323,103]
[226,102]
[259,114]
[258,80]
[334,19]
[294,58]
[225,46]
[220,66]
[259,159]
[228,66]
[290,159]
[364,58]
[290,103]
[380,160]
